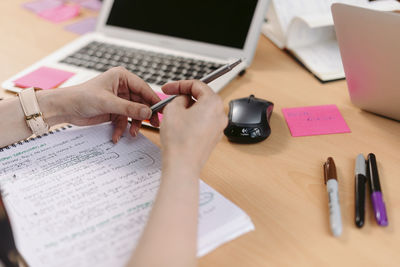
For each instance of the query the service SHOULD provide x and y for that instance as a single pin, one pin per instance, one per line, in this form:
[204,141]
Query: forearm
[13,127]
[170,237]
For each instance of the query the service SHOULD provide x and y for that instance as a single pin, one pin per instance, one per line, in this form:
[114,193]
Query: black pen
[360,187]
[207,79]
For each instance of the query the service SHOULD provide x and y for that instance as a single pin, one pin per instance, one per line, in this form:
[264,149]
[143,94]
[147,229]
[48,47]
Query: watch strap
[33,116]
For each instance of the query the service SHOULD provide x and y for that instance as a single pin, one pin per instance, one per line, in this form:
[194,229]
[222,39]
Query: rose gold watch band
[33,116]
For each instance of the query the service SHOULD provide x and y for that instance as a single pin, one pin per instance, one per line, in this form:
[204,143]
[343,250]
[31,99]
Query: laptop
[369,44]
[162,41]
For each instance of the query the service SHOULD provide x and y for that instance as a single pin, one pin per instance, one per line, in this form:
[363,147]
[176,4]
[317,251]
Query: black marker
[360,187]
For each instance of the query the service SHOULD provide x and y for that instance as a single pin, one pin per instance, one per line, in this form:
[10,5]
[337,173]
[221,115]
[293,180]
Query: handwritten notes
[44,77]
[77,199]
[60,13]
[315,120]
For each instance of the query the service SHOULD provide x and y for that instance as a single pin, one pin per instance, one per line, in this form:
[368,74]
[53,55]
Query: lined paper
[77,199]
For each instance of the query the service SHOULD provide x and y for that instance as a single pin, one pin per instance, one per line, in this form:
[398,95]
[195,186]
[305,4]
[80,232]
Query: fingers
[116,105]
[182,101]
[137,86]
[154,120]
[135,126]
[120,124]
[194,88]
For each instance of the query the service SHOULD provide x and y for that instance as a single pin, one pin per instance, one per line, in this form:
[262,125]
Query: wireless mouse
[249,120]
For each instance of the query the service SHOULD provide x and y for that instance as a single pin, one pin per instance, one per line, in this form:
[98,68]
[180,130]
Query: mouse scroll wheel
[250,98]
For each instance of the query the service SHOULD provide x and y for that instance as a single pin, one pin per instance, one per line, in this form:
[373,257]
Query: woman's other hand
[190,130]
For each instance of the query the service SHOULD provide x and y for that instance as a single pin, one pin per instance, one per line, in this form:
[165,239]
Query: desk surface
[278,182]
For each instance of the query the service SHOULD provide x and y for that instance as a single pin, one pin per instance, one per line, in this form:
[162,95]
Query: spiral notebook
[76,199]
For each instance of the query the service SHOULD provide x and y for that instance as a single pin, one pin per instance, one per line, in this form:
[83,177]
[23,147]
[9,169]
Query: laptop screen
[217,22]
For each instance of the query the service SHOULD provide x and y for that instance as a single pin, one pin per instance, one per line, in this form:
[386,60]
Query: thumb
[120,106]
[181,101]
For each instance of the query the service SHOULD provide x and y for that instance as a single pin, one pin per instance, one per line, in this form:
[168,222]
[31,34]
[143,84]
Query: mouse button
[247,113]
[250,98]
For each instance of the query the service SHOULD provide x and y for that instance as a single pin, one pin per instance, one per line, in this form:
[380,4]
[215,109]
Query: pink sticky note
[44,77]
[162,97]
[83,26]
[315,120]
[60,13]
[92,4]
[38,6]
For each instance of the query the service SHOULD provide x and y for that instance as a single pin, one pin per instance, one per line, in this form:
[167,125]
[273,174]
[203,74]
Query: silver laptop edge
[369,44]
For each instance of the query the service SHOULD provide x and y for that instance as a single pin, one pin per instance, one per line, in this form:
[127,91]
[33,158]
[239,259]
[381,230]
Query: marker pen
[332,187]
[360,187]
[376,192]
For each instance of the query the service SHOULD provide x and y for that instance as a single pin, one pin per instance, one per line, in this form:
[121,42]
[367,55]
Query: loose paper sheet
[77,199]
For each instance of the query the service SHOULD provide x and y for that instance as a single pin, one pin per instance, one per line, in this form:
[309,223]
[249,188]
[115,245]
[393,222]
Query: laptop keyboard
[155,68]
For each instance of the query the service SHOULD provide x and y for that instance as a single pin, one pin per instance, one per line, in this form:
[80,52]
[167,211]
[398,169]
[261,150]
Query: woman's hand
[112,96]
[190,131]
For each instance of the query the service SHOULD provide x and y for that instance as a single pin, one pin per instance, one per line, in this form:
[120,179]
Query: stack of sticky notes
[44,78]
[53,10]
[60,10]
[315,120]
[60,13]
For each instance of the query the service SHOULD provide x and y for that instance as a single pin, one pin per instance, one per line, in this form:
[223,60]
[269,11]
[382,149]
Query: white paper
[76,199]
[323,59]
[288,9]
[306,28]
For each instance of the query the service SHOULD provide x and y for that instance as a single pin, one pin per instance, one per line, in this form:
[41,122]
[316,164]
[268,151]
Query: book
[76,199]
[305,28]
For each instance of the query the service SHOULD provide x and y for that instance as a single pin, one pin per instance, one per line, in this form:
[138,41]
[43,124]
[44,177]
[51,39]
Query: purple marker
[376,192]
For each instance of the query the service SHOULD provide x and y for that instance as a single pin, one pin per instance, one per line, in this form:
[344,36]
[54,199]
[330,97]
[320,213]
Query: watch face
[247,113]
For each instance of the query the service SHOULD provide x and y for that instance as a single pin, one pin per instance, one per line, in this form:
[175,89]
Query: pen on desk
[330,177]
[376,192]
[360,187]
[207,79]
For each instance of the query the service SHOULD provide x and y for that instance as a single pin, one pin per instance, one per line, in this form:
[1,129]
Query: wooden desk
[278,182]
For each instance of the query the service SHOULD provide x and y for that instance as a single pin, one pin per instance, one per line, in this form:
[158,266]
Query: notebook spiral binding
[35,138]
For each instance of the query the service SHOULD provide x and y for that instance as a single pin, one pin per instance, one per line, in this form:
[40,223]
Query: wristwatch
[34,118]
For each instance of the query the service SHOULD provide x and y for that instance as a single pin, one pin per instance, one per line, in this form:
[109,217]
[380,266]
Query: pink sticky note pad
[38,6]
[92,4]
[162,97]
[60,13]
[83,26]
[315,120]
[44,77]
